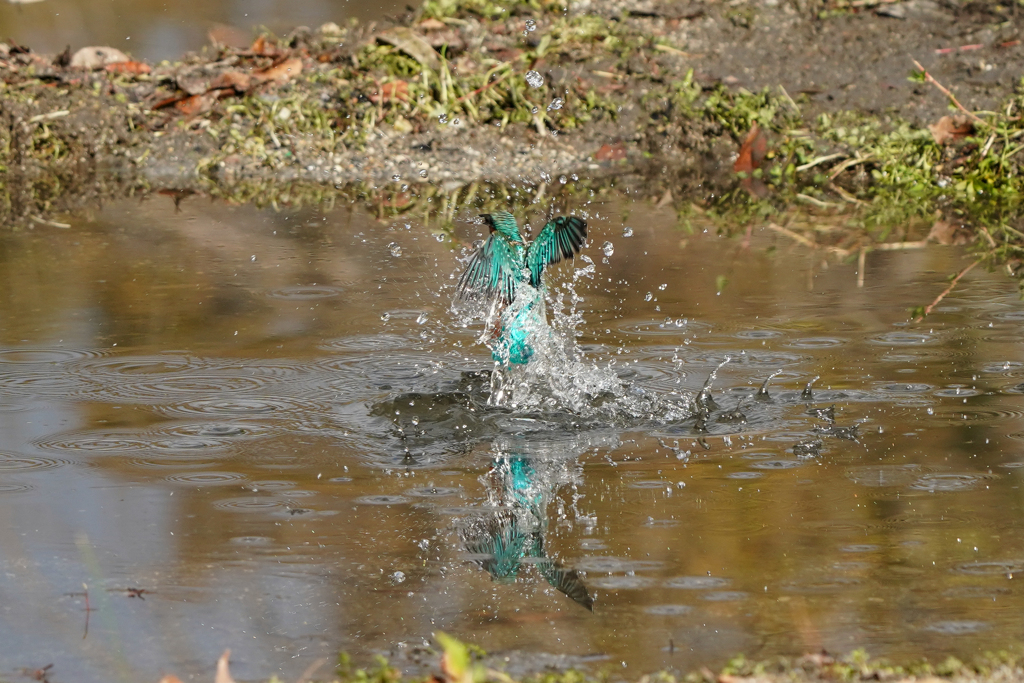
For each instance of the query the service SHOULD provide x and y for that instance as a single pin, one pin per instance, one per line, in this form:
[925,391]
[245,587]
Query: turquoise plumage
[504,264]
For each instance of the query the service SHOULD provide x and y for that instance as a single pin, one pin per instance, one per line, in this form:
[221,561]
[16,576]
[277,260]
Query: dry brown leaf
[389,92]
[196,104]
[752,151]
[950,129]
[128,68]
[223,673]
[279,73]
[609,152]
[235,80]
[413,44]
[263,47]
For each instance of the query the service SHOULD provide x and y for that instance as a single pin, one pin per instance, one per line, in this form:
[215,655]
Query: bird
[504,266]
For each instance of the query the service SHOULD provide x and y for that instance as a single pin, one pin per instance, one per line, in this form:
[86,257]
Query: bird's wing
[560,239]
[505,223]
[492,273]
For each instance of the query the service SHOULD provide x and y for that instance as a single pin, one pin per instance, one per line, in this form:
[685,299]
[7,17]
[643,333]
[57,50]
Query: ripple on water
[274,484]
[434,492]
[665,326]
[649,484]
[777,464]
[240,405]
[226,431]
[305,292]
[46,383]
[14,487]
[992,568]
[934,483]
[621,582]
[697,583]
[816,343]
[957,627]
[961,414]
[366,342]
[901,388]
[206,478]
[98,442]
[958,391]
[252,540]
[174,388]
[744,475]
[45,355]
[383,500]
[614,565]
[141,366]
[18,462]
[669,610]
[251,504]
[884,475]
[758,334]
[899,338]
[860,548]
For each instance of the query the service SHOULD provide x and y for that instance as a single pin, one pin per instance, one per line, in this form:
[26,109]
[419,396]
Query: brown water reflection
[154,30]
[186,407]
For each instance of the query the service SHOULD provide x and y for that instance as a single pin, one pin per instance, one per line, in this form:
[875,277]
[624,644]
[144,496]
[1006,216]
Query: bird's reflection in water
[510,539]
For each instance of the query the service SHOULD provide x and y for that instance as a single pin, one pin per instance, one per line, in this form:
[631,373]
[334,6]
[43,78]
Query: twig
[928,78]
[817,202]
[484,87]
[661,47]
[988,236]
[839,168]
[861,265]
[947,290]
[900,246]
[820,160]
[792,235]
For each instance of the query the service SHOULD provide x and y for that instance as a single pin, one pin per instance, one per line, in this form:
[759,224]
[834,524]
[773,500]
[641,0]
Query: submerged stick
[947,290]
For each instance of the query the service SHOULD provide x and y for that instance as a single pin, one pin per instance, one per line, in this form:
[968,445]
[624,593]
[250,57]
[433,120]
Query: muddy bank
[663,94]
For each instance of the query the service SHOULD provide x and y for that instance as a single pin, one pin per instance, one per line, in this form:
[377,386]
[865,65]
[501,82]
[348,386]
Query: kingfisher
[505,275]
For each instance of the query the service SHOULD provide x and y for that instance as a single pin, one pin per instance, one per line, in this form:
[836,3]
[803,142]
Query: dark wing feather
[560,239]
[568,581]
[491,273]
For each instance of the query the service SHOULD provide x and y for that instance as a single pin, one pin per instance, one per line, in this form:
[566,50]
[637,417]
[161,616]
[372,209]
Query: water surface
[266,431]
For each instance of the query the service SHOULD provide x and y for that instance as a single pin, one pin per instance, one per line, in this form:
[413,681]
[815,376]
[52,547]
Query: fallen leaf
[234,80]
[279,73]
[389,92]
[950,129]
[223,674]
[196,104]
[609,152]
[263,48]
[128,67]
[96,57]
[752,151]
[412,44]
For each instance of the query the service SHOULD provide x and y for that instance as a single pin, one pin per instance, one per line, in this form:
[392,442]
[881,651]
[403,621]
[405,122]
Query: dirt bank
[658,94]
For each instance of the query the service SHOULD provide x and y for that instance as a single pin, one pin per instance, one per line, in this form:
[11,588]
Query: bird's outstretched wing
[491,273]
[561,238]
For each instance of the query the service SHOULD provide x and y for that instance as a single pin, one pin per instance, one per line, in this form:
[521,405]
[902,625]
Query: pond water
[265,431]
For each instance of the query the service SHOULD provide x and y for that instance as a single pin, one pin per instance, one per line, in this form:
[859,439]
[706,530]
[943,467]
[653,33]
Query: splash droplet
[534,79]
[421,318]
[423,173]
[556,103]
[443,118]
[608,248]
[395,249]
[648,297]
[627,232]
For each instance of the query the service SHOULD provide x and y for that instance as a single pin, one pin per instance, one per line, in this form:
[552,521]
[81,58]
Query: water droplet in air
[395,249]
[648,297]
[627,232]
[398,577]
[421,318]
[931,412]
[556,103]
[531,25]
[439,237]
[423,173]
[385,317]
[662,286]
[562,179]
[535,110]
[534,79]
[456,122]
[443,118]
[608,248]
[396,177]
